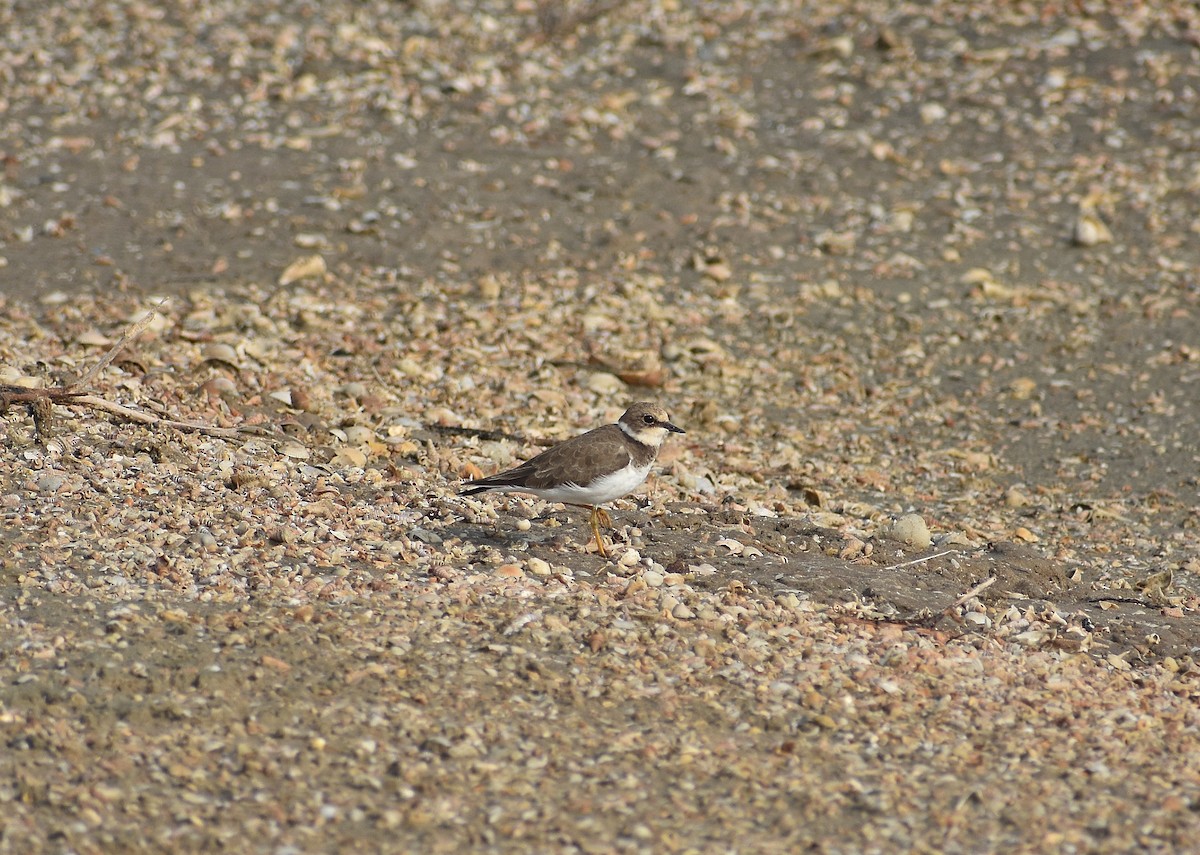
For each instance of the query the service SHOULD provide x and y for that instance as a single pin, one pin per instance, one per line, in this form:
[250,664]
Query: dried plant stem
[39,401]
[142,417]
[129,335]
[974,592]
[922,560]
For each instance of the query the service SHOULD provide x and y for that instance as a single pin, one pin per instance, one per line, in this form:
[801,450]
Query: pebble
[1022,533]
[603,383]
[221,387]
[295,451]
[697,483]
[629,558]
[932,113]
[537,566]
[359,435]
[653,578]
[353,389]
[208,542]
[51,482]
[221,352]
[912,530]
[788,600]
[349,457]
[1014,498]
[1090,231]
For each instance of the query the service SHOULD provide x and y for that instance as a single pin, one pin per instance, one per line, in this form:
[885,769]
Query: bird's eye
[648,419]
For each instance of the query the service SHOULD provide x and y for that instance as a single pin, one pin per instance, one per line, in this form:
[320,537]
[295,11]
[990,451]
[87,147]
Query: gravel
[918,280]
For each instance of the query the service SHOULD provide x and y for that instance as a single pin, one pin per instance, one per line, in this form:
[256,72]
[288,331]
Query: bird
[593,468]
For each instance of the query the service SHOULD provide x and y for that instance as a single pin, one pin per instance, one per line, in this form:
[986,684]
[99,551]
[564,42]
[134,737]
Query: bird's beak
[671,427]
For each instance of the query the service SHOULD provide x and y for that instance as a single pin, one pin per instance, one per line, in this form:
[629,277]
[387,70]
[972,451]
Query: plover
[592,468]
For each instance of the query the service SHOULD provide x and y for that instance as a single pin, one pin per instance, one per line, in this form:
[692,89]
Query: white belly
[605,489]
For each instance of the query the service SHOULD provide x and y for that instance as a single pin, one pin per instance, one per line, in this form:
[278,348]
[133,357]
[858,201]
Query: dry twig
[923,559]
[142,417]
[127,336]
[41,401]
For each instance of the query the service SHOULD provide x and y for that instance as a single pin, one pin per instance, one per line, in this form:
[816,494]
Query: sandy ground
[918,280]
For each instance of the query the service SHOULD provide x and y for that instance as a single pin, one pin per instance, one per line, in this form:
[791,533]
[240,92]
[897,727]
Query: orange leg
[599,515]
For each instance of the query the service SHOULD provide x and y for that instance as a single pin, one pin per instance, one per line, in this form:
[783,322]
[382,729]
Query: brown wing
[580,460]
[582,456]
